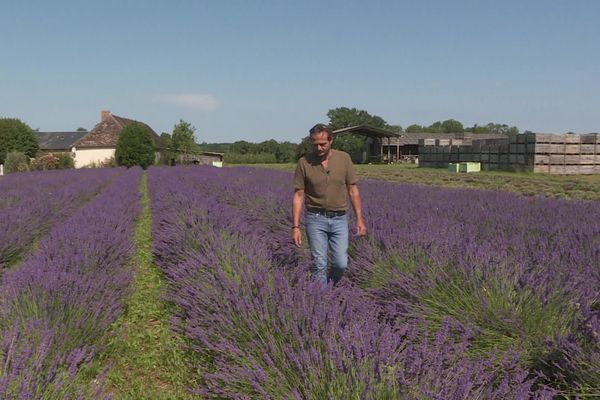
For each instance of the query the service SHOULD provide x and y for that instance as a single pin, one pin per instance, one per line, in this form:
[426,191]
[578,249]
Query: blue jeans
[327,233]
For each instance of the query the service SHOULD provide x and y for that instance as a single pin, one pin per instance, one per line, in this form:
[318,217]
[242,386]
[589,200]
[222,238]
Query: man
[321,181]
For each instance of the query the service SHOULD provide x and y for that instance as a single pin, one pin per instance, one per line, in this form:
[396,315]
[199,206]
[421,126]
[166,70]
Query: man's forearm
[356,202]
[297,208]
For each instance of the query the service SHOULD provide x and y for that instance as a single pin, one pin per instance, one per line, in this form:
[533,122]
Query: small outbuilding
[200,158]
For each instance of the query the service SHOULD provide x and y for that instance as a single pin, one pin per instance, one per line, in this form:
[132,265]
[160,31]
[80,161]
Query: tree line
[344,117]
[271,151]
[18,142]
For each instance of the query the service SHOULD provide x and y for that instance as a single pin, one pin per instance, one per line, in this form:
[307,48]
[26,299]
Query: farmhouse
[99,145]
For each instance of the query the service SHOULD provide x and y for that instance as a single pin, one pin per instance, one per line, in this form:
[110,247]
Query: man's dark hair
[318,128]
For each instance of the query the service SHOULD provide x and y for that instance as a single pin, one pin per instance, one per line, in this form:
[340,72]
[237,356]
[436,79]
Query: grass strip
[146,359]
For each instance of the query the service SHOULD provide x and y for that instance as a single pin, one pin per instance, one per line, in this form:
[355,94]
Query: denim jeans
[327,233]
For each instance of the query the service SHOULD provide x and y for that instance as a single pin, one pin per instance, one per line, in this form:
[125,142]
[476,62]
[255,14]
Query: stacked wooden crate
[532,152]
[521,150]
[493,154]
[438,153]
[567,153]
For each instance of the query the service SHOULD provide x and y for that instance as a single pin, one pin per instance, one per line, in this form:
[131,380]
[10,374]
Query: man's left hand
[361,229]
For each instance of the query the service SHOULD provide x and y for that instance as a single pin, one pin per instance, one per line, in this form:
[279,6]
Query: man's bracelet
[296,227]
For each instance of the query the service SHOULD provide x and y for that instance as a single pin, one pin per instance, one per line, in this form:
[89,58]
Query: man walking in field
[321,181]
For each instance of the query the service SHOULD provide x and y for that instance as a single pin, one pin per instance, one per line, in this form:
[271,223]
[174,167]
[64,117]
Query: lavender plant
[514,270]
[30,205]
[260,329]
[56,307]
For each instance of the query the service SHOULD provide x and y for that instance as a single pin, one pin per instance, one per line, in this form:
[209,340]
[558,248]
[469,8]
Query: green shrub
[16,136]
[16,162]
[65,161]
[135,147]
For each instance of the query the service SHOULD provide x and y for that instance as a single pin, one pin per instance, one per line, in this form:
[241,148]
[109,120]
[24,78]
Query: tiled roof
[106,133]
[58,140]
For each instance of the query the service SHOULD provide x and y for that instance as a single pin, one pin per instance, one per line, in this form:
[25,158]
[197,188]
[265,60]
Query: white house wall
[85,157]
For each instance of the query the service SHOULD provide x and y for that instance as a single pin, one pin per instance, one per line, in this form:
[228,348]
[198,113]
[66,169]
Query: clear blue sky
[255,70]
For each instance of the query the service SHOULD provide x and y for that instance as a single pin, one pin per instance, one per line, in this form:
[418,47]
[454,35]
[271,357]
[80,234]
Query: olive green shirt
[325,188]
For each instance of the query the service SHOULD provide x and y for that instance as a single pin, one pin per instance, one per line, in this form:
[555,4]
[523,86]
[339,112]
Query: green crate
[453,167]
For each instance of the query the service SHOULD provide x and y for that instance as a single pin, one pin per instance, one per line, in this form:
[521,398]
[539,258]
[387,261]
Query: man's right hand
[297,236]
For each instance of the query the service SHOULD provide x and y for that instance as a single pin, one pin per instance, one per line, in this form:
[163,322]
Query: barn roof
[58,140]
[366,130]
[212,153]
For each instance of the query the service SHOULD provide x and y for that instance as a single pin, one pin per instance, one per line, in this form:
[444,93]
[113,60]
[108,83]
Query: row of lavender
[518,274]
[56,307]
[261,329]
[31,203]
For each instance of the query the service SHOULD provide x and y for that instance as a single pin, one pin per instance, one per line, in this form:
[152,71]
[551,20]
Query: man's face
[321,143]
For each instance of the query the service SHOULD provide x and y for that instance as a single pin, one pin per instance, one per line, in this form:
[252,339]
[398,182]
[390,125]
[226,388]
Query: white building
[98,146]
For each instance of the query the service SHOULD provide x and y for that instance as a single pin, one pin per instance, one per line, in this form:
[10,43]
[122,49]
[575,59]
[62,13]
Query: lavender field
[454,294]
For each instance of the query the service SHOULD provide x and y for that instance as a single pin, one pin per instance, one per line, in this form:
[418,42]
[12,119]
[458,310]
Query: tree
[502,128]
[135,146]
[16,136]
[16,162]
[349,143]
[494,128]
[414,128]
[344,117]
[243,147]
[436,127]
[80,129]
[304,147]
[268,146]
[452,126]
[285,152]
[182,140]
[394,128]
[217,147]
[165,140]
[478,129]
[166,156]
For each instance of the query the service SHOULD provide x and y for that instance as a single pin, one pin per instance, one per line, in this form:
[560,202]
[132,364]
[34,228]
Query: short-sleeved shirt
[325,188]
